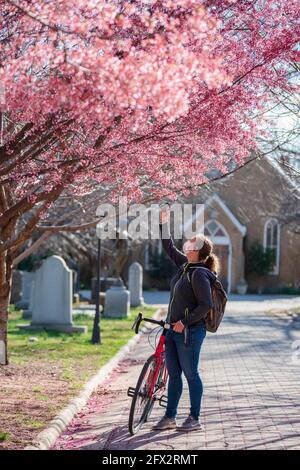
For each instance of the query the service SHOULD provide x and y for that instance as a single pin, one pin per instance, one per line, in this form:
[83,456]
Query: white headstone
[135,284]
[117,302]
[2,352]
[52,301]
[52,297]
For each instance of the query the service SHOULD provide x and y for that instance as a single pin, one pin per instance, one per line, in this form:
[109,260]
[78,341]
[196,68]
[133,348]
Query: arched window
[215,232]
[272,241]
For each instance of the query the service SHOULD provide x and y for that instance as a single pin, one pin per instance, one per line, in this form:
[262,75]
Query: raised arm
[167,242]
[202,290]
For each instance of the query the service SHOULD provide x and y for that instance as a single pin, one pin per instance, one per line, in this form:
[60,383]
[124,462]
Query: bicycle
[152,381]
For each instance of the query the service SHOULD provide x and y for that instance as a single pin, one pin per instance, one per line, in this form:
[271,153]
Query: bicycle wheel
[158,384]
[141,402]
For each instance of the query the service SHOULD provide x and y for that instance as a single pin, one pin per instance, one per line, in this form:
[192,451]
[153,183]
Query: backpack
[219,297]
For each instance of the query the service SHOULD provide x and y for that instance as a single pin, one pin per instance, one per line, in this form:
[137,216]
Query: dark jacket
[189,301]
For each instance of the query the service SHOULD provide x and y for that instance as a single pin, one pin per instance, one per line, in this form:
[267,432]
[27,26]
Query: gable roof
[242,228]
[215,198]
[249,194]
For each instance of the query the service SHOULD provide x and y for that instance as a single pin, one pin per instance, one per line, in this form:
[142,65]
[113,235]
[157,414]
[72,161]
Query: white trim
[224,241]
[276,266]
[219,240]
[215,198]
[230,215]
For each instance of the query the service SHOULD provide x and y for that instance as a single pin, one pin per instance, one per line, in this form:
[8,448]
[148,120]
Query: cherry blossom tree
[141,98]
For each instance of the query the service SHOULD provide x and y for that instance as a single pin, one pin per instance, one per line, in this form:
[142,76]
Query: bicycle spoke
[147,391]
[141,405]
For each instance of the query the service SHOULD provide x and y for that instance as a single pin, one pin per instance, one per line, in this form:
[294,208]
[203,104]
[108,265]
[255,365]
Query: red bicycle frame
[158,354]
[148,387]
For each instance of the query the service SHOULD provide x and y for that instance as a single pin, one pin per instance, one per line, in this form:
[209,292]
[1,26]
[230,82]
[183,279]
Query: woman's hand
[179,327]
[164,215]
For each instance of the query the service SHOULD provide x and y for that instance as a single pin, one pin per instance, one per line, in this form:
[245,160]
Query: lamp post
[96,336]
[122,234]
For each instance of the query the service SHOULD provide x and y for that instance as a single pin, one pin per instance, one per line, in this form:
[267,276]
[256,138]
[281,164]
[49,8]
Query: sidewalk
[251,394]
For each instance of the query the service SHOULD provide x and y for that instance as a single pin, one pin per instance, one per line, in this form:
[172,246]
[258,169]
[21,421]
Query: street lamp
[96,336]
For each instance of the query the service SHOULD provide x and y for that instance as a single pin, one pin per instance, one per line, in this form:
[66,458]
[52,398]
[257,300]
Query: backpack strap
[200,267]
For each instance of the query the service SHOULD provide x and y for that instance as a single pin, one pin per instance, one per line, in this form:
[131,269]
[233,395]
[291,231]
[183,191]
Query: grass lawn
[44,374]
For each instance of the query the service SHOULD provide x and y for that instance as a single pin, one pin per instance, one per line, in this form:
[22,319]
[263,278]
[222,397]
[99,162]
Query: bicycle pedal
[131,391]
[163,401]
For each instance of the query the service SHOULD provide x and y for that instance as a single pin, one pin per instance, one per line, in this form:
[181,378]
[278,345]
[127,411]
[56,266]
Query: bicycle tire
[159,377]
[148,405]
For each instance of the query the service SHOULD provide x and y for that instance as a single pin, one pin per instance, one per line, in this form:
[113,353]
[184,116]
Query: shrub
[260,260]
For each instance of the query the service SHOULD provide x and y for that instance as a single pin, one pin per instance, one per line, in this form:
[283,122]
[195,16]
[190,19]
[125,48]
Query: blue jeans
[181,357]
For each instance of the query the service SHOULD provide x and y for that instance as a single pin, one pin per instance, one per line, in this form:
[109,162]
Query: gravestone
[27,280]
[106,283]
[2,352]
[52,297]
[117,302]
[27,313]
[74,285]
[135,284]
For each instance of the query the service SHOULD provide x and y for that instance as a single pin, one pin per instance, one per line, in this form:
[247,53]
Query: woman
[190,300]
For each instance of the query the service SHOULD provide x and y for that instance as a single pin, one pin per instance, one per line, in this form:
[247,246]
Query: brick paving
[251,394]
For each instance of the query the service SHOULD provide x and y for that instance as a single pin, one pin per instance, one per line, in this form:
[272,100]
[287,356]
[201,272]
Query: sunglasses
[192,245]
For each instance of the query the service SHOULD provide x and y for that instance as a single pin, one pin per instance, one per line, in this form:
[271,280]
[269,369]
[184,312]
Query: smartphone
[164,206]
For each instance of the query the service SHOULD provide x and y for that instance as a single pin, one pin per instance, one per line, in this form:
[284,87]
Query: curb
[46,438]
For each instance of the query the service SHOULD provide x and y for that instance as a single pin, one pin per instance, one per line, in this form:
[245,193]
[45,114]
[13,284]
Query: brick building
[239,210]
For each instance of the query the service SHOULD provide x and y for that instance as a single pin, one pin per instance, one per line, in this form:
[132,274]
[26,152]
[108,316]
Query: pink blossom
[138,96]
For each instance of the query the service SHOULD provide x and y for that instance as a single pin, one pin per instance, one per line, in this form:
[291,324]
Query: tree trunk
[6,265]
[5,290]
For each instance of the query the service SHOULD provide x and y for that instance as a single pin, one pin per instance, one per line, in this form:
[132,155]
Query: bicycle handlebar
[140,318]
